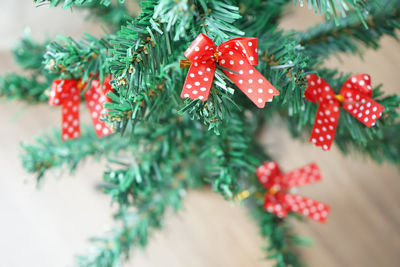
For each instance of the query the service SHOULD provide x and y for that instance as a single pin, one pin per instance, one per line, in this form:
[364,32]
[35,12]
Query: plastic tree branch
[28,55]
[50,152]
[334,8]
[135,228]
[259,15]
[279,239]
[328,38]
[71,59]
[113,13]
[14,86]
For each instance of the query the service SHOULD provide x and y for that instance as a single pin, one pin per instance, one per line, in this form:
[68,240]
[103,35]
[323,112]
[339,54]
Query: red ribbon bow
[279,202]
[67,94]
[237,55]
[355,97]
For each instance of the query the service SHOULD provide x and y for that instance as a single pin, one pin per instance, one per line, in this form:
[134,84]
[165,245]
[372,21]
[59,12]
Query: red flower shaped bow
[355,97]
[67,94]
[279,202]
[237,55]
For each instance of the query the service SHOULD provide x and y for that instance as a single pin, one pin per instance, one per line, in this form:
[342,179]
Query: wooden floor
[47,227]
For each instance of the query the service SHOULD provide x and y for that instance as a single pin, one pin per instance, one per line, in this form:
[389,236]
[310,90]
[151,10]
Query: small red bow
[355,97]
[279,202]
[237,55]
[67,94]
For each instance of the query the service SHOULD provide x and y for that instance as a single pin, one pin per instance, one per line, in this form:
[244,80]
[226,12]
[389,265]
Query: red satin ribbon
[237,55]
[67,94]
[355,97]
[279,202]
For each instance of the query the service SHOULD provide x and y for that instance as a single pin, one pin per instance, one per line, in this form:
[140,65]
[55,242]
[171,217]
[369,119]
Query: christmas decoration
[165,147]
[67,94]
[236,58]
[277,198]
[356,98]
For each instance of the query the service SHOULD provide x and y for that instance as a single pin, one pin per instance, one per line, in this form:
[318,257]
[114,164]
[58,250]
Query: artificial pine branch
[113,13]
[50,152]
[335,8]
[348,33]
[229,155]
[279,237]
[135,229]
[71,59]
[13,86]
[28,54]
[258,15]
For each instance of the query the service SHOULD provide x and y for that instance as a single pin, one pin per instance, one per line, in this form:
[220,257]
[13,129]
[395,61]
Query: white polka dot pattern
[280,202]
[355,97]
[67,94]
[237,55]
[357,93]
[95,97]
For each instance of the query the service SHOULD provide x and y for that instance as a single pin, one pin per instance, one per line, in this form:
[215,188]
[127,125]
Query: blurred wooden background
[47,227]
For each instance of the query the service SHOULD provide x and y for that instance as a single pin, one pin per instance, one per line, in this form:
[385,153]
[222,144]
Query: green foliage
[135,229]
[165,145]
[28,55]
[279,236]
[334,8]
[50,152]
[213,111]
[327,38]
[158,155]
[14,86]
[258,15]
[71,59]
[113,13]
[228,156]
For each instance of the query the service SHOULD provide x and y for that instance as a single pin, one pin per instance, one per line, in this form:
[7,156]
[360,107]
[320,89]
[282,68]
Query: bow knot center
[216,54]
[243,195]
[80,85]
[339,98]
[274,189]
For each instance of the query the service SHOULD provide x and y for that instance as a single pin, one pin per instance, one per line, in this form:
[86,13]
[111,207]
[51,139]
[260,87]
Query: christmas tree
[178,94]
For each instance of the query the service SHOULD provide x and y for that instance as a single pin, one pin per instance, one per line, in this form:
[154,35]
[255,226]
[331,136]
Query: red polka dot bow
[280,202]
[67,94]
[355,97]
[237,55]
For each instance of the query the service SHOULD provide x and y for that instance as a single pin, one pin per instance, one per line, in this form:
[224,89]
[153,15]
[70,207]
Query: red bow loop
[319,91]
[246,46]
[302,176]
[201,72]
[201,49]
[359,83]
[357,93]
[280,202]
[63,90]
[268,174]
